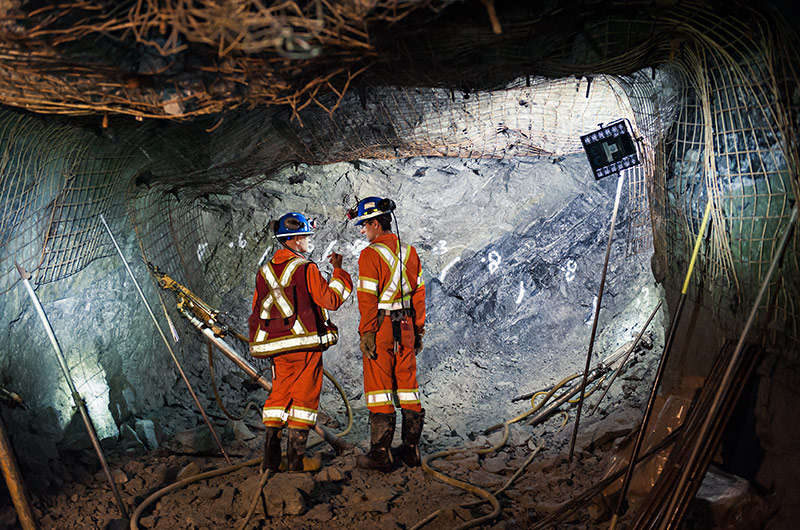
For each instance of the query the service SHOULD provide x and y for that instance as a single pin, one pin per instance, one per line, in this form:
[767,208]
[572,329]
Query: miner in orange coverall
[391,300]
[290,324]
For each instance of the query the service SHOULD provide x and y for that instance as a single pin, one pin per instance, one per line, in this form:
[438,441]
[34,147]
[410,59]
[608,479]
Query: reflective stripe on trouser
[392,374]
[295,391]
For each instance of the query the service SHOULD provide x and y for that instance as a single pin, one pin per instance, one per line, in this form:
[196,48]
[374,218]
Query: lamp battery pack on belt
[401,319]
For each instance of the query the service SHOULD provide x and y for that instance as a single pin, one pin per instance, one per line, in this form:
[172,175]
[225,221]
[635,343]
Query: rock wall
[512,254]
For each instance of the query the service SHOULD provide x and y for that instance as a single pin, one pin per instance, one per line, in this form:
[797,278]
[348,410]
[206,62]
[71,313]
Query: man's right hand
[335,259]
[368,345]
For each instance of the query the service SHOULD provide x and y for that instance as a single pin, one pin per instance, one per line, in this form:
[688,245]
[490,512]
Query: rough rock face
[110,346]
[512,254]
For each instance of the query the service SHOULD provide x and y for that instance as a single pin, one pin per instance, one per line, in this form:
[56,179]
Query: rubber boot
[272,450]
[379,456]
[296,460]
[408,453]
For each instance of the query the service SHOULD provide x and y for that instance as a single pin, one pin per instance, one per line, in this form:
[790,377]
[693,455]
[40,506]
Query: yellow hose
[589,393]
[503,439]
[229,469]
[697,245]
[491,497]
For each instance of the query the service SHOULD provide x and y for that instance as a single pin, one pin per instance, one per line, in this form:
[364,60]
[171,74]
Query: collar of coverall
[284,254]
[386,239]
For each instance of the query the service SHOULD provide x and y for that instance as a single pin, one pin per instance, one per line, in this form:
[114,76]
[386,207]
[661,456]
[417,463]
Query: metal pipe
[725,384]
[326,434]
[76,397]
[166,342]
[660,372]
[630,350]
[228,351]
[15,482]
[620,180]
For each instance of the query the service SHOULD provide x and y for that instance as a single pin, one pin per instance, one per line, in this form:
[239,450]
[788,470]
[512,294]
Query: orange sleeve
[330,295]
[255,316]
[368,281]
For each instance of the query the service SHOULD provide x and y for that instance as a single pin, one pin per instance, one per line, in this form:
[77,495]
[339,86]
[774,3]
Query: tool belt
[396,318]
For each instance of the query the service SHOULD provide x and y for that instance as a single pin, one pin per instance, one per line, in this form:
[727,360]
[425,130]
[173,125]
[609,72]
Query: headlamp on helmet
[370,208]
[293,224]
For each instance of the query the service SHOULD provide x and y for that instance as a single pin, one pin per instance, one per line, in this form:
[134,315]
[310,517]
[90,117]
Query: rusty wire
[734,135]
[181,59]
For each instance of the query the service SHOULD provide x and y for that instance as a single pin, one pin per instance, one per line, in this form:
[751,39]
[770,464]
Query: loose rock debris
[340,494]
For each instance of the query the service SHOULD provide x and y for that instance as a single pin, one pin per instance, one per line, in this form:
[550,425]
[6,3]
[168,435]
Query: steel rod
[15,482]
[166,342]
[228,351]
[80,404]
[620,180]
[630,350]
[661,367]
[326,434]
[725,385]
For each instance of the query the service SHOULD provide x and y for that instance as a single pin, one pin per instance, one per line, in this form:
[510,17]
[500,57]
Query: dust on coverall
[297,383]
[379,276]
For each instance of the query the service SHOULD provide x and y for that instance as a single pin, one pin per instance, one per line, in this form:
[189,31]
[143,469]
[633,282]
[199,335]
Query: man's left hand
[368,345]
[418,342]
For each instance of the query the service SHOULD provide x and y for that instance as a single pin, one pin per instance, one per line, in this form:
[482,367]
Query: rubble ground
[342,495]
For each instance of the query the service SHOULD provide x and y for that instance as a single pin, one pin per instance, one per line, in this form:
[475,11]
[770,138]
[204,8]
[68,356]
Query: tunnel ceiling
[175,102]
[187,59]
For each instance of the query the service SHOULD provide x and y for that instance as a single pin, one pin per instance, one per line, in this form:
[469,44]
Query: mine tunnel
[601,197]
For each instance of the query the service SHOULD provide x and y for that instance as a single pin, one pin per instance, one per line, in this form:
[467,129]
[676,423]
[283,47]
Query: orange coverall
[297,383]
[393,372]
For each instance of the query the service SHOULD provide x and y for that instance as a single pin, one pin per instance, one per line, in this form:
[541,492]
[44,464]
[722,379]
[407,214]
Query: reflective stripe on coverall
[379,280]
[298,376]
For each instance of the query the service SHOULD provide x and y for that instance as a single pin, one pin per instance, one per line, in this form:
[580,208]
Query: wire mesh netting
[182,58]
[55,180]
[718,122]
[733,145]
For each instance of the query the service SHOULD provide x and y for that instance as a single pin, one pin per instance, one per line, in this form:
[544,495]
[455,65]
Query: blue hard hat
[294,224]
[371,207]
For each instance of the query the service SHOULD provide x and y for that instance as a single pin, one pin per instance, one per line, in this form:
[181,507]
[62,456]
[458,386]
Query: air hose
[597,373]
[229,469]
[491,497]
[475,489]
[251,405]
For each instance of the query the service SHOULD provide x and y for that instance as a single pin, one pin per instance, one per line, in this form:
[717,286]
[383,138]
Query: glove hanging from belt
[368,345]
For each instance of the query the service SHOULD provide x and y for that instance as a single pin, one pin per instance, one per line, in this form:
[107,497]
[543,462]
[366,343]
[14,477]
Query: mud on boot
[408,453]
[379,456]
[272,450]
[296,460]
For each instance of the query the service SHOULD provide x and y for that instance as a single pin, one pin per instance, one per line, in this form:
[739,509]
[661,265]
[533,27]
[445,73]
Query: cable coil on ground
[229,469]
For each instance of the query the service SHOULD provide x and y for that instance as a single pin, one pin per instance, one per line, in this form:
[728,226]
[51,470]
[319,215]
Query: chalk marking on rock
[484,185]
[329,248]
[569,269]
[448,267]
[521,294]
[242,240]
[201,251]
[494,261]
[355,248]
[264,255]
[440,248]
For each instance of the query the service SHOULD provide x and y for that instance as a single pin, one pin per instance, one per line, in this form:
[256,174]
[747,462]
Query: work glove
[418,341]
[368,345]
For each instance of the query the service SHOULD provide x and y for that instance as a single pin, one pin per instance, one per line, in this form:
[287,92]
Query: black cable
[400,252]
